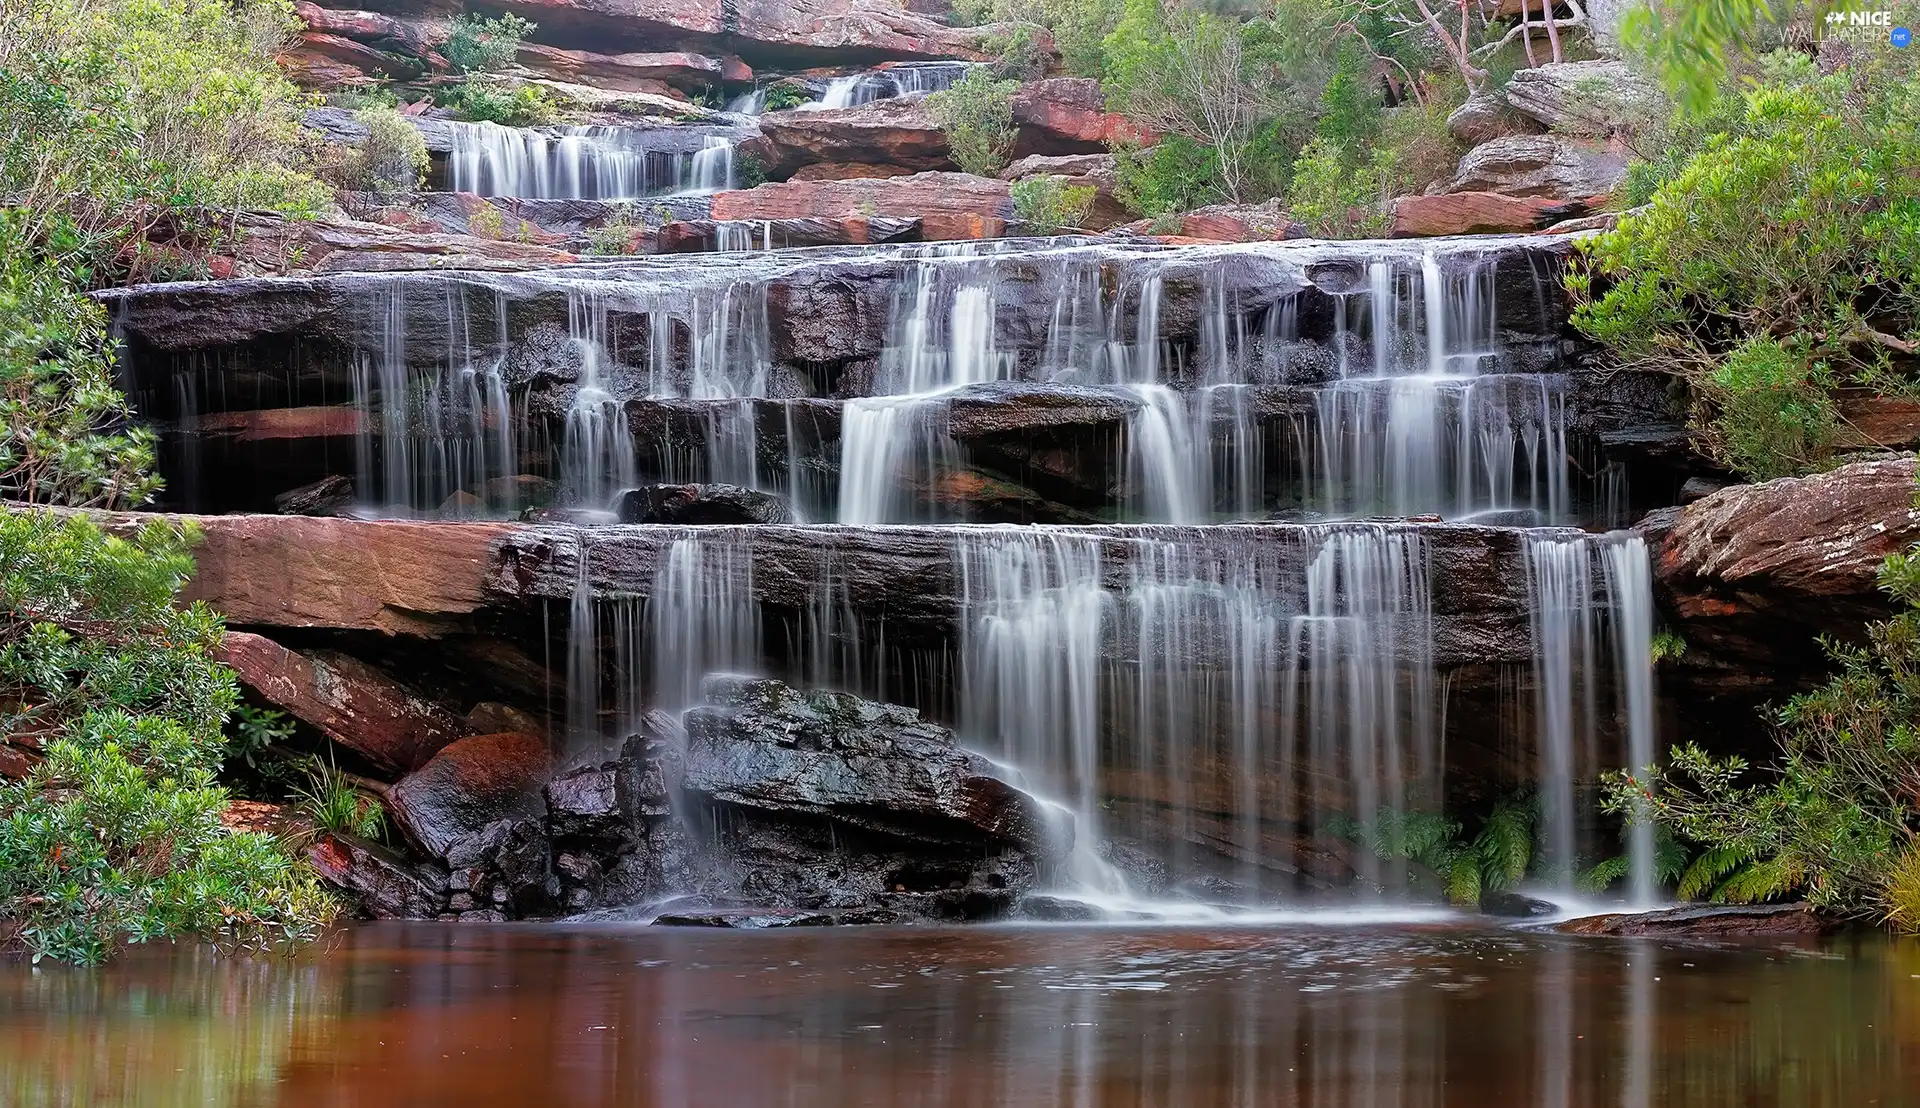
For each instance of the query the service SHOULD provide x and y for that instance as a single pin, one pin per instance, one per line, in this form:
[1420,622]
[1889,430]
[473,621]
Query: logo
[1865,27]
[1900,37]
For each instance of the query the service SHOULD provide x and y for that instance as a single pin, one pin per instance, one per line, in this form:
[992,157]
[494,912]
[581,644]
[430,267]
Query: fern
[1759,880]
[1463,878]
[1600,877]
[1711,868]
[1505,844]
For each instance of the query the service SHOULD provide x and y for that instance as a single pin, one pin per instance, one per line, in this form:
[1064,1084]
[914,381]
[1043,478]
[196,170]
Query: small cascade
[743,234]
[581,163]
[1243,696]
[1593,672]
[854,89]
[700,618]
[597,454]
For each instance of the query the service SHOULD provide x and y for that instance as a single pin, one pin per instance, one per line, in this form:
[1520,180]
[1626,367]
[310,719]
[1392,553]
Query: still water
[1404,1016]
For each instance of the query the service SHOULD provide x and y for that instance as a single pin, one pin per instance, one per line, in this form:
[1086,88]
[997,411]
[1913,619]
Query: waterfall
[580,163]
[701,618]
[1630,600]
[1091,663]
[854,89]
[597,454]
[1560,589]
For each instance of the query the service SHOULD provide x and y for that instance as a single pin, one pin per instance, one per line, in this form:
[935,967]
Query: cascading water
[597,455]
[855,89]
[1630,603]
[581,163]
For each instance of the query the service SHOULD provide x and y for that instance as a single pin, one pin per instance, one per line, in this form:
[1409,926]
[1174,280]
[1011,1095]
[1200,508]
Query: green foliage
[977,116]
[1783,258]
[1174,175]
[255,731]
[1019,57]
[1048,204]
[1337,201]
[126,118]
[1080,27]
[335,804]
[390,165]
[115,837]
[1668,645]
[1836,819]
[65,436]
[480,102]
[1774,419]
[783,95]
[1496,857]
[479,45]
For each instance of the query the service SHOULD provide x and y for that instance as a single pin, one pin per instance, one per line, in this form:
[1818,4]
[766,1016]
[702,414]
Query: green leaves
[476,44]
[977,116]
[1047,204]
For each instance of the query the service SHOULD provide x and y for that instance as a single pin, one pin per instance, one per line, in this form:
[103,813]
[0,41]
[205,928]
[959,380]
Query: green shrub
[479,102]
[131,117]
[389,166]
[977,116]
[784,95]
[334,803]
[1783,257]
[115,837]
[1080,27]
[479,45]
[1335,201]
[1174,175]
[1048,204]
[1836,820]
[1497,856]
[65,435]
[1018,55]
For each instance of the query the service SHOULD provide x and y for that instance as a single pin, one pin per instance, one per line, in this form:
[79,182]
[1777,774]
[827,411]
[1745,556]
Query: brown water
[526,1016]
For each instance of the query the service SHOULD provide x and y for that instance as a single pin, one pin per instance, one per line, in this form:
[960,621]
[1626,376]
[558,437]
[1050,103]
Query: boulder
[272,246]
[585,804]
[385,884]
[387,32]
[1707,922]
[1078,170]
[701,504]
[1068,115]
[1753,573]
[500,869]
[948,205]
[470,785]
[898,132]
[1539,166]
[318,56]
[1486,116]
[758,745]
[347,700]
[1594,98]
[1266,222]
[1511,905]
[1477,213]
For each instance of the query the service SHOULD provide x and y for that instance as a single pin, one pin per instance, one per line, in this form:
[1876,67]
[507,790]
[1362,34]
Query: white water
[1630,599]
[580,163]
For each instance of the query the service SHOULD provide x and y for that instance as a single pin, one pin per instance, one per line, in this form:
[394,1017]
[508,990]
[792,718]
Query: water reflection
[1410,1017]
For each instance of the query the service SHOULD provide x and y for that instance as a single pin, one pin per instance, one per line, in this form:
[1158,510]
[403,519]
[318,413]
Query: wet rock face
[701,504]
[1708,922]
[470,785]
[384,883]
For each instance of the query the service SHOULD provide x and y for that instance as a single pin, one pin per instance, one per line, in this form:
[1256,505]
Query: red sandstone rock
[470,784]
[949,205]
[1068,115]
[271,246]
[384,883]
[847,171]
[377,29]
[897,132]
[360,56]
[1078,170]
[1477,213]
[269,424]
[657,73]
[349,701]
[1708,921]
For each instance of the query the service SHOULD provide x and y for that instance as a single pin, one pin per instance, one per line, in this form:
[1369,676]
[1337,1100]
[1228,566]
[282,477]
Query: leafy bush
[1047,203]
[1496,857]
[336,804]
[1336,201]
[977,116]
[65,436]
[480,45]
[115,837]
[125,117]
[784,95]
[1174,175]
[1018,55]
[1799,228]
[1079,27]
[479,102]
[390,165]
[1836,821]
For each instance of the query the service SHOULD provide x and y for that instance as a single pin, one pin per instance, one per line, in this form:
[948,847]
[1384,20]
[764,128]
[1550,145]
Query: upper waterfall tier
[1165,384]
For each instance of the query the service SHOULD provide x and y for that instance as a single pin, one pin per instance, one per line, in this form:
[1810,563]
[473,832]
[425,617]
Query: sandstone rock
[1754,572]
[1266,222]
[1096,170]
[501,868]
[1539,165]
[470,785]
[456,212]
[327,496]
[271,246]
[349,701]
[1872,422]
[1594,98]
[265,818]
[271,424]
[1068,115]
[1476,213]
[701,504]
[585,803]
[757,744]
[689,236]
[847,171]
[1485,117]
[632,72]
[320,56]
[385,884]
[1707,922]
[948,205]
[377,29]
[898,132]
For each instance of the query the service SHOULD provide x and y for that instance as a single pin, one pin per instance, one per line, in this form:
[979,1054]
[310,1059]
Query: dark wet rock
[327,496]
[758,744]
[385,884]
[470,785]
[1708,922]
[501,867]
[1055,909]
[346,699]
[701,504]
[695,236]
[1511,905]
[585,804]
